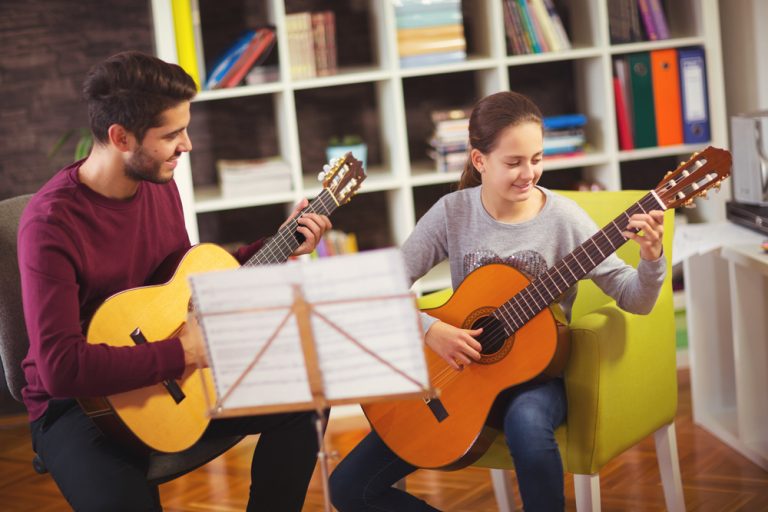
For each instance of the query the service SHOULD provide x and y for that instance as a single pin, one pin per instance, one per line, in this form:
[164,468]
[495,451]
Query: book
[622,117]
[547,25]
[247,177]
[528,25]
[621,68]
[642,100]
[256,52]
[647,18]
[197,31]
[666,97]
[659,19]
[301,46]
[693,87]
[432,59]
[227,59]
[564,121]
[185,38]
[324,40]
[557,22]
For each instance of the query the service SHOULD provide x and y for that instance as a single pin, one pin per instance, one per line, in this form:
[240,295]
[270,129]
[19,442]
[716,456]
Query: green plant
[83,146]
[345,140]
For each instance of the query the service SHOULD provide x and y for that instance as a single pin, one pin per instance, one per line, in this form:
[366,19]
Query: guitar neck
[278,248]
[548,287]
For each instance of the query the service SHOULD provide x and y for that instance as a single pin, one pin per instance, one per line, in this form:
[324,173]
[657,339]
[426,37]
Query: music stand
[310,335]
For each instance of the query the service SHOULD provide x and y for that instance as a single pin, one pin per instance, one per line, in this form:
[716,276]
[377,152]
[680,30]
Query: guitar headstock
[704,170]
[342,177]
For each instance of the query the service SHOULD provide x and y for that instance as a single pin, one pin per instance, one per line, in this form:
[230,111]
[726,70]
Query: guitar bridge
[170,385]
[437,408]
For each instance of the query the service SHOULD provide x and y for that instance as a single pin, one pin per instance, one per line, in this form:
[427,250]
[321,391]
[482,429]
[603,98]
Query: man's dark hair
[132,89]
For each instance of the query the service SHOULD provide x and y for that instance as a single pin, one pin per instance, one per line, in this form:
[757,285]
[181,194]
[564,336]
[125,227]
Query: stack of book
[430,32]
[637,20]
[242,178]
[335,242]
[450,139]
[311,43]
[534,26]
[661,98]
[248,52]
[564,135]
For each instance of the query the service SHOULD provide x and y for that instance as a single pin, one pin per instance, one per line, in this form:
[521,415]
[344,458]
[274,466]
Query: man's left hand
[312,225]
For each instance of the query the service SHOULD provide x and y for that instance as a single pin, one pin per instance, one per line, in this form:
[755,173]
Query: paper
[693,239]
[361,298]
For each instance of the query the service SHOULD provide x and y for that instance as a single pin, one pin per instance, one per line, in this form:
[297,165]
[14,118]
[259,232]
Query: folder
[666,97]
[693,93]
[644,120]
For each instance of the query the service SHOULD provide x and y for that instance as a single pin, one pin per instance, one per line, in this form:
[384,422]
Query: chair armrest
[621,383]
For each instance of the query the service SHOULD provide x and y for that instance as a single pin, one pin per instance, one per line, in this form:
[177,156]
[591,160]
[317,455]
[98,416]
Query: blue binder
[693,93]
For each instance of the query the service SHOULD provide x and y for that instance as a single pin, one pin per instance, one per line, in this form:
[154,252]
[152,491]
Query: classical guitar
[520,338]
[171,416]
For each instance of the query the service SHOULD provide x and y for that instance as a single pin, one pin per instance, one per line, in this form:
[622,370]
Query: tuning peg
[689,204]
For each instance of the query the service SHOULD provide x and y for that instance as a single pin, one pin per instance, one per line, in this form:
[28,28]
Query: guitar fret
[515,312]
[552,278]
[583,250]
[598,248]
[574,258]
[508,324]
[551,294]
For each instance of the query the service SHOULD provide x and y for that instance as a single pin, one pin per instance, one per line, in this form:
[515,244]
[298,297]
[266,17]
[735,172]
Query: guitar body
[150,417]
[171,416]
[412,430]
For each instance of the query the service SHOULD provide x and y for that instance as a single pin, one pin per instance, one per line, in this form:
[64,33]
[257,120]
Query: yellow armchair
[621,379]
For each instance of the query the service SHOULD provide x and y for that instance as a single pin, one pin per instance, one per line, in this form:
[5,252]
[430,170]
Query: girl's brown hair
[489,118]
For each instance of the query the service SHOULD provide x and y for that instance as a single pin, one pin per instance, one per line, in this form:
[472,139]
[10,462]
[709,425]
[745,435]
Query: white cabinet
[388,104]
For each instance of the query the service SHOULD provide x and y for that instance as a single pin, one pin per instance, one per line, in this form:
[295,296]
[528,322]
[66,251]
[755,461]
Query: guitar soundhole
[493,337]
[496,343]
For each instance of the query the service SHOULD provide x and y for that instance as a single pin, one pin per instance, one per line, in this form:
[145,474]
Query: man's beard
[142,167]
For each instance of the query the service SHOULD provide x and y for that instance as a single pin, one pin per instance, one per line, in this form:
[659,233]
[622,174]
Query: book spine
[185,38]
[659,19]
[645,15]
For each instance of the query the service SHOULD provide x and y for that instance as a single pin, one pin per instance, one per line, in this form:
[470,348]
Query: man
[103,225]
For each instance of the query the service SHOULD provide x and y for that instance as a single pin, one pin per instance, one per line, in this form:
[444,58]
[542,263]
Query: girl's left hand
[312,225]
[651,225]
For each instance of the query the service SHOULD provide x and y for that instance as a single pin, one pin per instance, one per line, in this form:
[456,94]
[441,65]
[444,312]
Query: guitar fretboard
[545,289]
[278,248]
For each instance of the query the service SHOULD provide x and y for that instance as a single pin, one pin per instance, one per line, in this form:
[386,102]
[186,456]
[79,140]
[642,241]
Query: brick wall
[47,48]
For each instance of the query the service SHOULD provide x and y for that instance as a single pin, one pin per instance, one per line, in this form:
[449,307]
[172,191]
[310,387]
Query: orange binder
[666,97]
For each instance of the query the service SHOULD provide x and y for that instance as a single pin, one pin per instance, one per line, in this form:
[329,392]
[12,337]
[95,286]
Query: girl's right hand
[457,346]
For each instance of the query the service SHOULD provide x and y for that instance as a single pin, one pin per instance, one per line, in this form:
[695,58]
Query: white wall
[744,32]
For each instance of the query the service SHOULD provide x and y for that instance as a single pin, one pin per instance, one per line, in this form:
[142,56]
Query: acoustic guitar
[520,337]
[171,416]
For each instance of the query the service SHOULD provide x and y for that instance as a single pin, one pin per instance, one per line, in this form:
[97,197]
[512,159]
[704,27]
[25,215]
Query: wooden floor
[715,478]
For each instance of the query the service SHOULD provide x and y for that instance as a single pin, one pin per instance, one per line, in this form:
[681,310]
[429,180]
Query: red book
[622,118]
[259,47]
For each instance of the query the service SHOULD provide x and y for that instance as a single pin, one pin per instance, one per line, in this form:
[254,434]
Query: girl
[499,214]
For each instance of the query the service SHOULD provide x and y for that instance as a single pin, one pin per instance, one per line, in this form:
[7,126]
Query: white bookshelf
[398,174]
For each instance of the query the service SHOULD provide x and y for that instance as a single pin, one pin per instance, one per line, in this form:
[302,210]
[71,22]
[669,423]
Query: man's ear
[120,138]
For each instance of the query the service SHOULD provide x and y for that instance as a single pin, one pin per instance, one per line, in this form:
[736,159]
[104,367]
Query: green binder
[642,99]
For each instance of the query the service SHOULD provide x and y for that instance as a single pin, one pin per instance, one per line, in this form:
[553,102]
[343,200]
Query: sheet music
[365,295]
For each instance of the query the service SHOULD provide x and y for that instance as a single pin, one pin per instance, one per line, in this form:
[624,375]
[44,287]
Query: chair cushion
[13,333]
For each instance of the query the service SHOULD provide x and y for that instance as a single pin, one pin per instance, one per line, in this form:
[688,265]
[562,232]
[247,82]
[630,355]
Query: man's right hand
[457,346]
[192,342]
